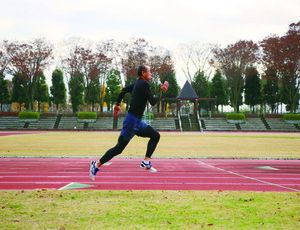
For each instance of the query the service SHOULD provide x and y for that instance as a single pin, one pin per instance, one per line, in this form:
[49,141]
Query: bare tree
[195,57]
[4,57]
[106,60]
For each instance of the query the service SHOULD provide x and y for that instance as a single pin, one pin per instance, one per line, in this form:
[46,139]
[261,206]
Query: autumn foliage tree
[134,54]
[85,67]
[233,61]
[162,69]
[282,55]
[88,63]
[28,60]
[138,52]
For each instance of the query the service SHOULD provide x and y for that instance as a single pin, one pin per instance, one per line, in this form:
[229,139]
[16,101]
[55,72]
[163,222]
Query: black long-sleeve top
[141,93]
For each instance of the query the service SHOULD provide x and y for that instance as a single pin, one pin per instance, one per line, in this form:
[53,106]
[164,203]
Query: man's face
[147,75]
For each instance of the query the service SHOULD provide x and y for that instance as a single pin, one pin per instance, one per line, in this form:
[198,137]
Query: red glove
[117,109]
[164,87]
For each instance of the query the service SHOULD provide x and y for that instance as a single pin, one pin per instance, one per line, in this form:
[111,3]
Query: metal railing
[179,121]
[199,121]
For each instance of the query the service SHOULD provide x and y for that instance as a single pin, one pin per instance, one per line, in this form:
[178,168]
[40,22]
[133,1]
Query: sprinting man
[133,124]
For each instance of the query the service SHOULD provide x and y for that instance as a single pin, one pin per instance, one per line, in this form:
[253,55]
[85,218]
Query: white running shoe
[93,170]
[148,167]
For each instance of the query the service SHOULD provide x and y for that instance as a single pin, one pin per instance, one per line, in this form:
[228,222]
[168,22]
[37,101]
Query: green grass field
[151,209]
[172,144]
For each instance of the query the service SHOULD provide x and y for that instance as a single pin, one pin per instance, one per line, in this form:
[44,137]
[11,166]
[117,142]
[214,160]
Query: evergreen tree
[92,92]
[18,92]
[252,88]
[289,91]
[173,89]
[200,85]
[270,90]
[76,88]
[113,88]
[42,91]
[218,90]
[58,88]
[4,94]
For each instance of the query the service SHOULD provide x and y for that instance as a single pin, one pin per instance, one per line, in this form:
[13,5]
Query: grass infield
[90,209]
[223,145]
[148,210]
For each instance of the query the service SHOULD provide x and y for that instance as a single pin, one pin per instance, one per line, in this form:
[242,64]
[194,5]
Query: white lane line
[154,177]
[267,168]
[140,183]
[65,186]
[251,178]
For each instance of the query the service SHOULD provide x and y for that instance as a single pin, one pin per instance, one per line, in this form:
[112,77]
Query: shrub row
[150,114]
[235,116]
[291,117]
[29,115]
[87,115]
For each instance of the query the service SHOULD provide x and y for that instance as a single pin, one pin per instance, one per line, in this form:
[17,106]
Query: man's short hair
[141,69]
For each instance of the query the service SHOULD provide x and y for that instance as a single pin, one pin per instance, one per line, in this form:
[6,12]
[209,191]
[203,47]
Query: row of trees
[93,74]
[244,72]
[277,58]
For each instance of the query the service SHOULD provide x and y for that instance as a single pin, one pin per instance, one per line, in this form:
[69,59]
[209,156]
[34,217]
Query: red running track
[173,174]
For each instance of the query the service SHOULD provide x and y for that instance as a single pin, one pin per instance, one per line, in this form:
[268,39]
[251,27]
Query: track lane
[173,174]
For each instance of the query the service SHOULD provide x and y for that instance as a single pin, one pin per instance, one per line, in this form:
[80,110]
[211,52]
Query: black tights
[120,146]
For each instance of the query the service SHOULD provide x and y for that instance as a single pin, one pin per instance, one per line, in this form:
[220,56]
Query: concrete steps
[218,124]
[278,124]
[159,123]
[163,123]
[189,123]
[253,124]
[43,123]
[70,123]
[106,123]
[11,123]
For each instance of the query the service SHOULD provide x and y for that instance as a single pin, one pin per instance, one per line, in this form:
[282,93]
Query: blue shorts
[131,126]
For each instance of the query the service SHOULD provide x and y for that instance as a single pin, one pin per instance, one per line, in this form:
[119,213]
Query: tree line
[264,73]
[93,74]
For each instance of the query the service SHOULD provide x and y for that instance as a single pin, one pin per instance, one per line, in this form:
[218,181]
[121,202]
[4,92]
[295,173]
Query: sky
[166,23]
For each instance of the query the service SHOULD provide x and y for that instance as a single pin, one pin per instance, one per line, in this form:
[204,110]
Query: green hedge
[87,115]
[151,115]
[291,117]
[29,115]
[235,116]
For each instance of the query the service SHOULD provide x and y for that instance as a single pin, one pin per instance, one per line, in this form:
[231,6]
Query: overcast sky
[160,22]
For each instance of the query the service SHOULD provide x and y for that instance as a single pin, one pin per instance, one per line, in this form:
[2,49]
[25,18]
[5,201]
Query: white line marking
[251,178]
[141,183]
[154,177]
[65,186]
[267,168]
